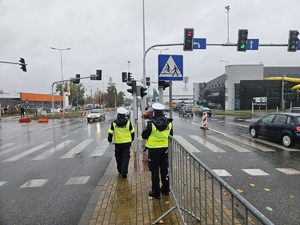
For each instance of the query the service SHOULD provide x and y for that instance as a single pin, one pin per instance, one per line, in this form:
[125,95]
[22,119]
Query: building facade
[236,89]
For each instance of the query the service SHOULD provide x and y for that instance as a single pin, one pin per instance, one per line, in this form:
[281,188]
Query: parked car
[284,127]
[199,112]
[186,111]
[96,114]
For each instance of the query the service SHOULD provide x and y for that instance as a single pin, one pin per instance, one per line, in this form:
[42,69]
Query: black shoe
[165,193]
[124,175]
[151,194]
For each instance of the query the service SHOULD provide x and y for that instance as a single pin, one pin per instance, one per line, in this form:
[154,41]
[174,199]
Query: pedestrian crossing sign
[170,67]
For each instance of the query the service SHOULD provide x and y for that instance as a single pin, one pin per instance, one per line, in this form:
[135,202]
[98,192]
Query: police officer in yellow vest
[156,134]
[123,132]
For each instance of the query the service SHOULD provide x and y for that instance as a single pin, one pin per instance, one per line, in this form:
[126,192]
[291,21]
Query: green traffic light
[243,46]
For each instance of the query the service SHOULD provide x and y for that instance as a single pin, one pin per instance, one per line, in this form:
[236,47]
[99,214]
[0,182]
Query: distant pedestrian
[22,111]
[122,131]
[157,134]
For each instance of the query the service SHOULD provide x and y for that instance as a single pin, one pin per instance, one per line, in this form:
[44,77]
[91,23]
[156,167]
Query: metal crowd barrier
[202,197]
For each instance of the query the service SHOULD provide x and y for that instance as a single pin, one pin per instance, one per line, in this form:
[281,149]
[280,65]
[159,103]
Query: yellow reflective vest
[121,134]
[159,139]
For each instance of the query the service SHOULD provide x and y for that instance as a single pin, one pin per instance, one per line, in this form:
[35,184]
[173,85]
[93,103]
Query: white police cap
[158,106]
[121,110]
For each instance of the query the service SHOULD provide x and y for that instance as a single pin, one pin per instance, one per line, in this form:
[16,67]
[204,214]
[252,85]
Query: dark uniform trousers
[157,158]
[122,155]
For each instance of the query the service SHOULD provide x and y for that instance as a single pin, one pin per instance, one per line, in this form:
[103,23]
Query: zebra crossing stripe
[77,149]
[187,145]
[51,151]
[2,182]
[6,145]
[207,144]
[231,145]
[100,149]
[77,180]
[222,173]
[25,153]
[250,143]
[255,172]
[288,171]
[34,183]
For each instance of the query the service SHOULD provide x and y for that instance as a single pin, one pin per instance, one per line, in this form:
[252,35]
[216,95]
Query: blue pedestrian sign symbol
[252,44]
[170,67]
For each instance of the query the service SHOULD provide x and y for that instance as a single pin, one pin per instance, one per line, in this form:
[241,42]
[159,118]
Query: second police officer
[157,134]
[122,131]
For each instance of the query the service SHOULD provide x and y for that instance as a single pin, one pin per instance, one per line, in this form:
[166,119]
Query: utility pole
[227,8]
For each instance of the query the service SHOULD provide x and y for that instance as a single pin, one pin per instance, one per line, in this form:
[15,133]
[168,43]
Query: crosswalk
[193,143]
[48,151]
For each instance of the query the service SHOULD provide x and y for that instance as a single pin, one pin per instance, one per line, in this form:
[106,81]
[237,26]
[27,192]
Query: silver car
[96,114]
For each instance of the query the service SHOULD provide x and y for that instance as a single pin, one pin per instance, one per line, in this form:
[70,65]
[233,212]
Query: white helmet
[121,110]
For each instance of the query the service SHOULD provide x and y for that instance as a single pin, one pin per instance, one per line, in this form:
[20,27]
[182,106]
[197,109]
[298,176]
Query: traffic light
[132,83]
[148,81]
[293,40]
[163,84]
[188,39]
[22,64]
[143,91]
[77,79]
[129,77]
[242,40]
[98,74]
[124,77]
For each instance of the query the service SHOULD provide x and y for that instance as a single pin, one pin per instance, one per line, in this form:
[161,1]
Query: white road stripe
[34,183]
[25,153]
[100,149]
[255,172]
[250,143]
[77,149]
[64,136]
[207,144]
[78,180]
[288,171]
[51,151]
[230,144]
[222,173]
[2,182]
[187,145]
[6,145]
[8,150]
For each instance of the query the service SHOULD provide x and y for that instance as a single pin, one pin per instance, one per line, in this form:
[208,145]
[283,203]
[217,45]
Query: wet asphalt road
[59,201]
[273,192]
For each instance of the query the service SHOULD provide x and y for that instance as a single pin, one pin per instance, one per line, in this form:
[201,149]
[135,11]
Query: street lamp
[61,67]
[157,49]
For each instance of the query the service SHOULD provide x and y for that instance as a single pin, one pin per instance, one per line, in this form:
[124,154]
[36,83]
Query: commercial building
[236,88]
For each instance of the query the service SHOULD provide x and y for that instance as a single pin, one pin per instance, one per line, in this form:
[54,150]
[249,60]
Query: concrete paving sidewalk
[118,200]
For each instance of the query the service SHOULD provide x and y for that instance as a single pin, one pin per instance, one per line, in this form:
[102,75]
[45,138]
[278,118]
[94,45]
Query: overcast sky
[106,34]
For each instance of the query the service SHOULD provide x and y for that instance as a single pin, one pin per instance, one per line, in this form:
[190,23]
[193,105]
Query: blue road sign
[298,46]
[252,44]
[199,43]
[170,67]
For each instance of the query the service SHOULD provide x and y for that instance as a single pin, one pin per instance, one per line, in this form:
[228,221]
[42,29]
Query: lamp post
[224,62]
[61,68]
[160,50]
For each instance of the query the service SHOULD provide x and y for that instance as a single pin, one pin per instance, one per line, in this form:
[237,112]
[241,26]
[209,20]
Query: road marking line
[51,151]
[77,180]
[187,145]
[251,143]
[77,149]
[6,145]
[2,182]
[100,149]
[207,144]
[288,171]
[34,183]
[255,172]
[25,153]
[222,173]
[64,136]
[230,144]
